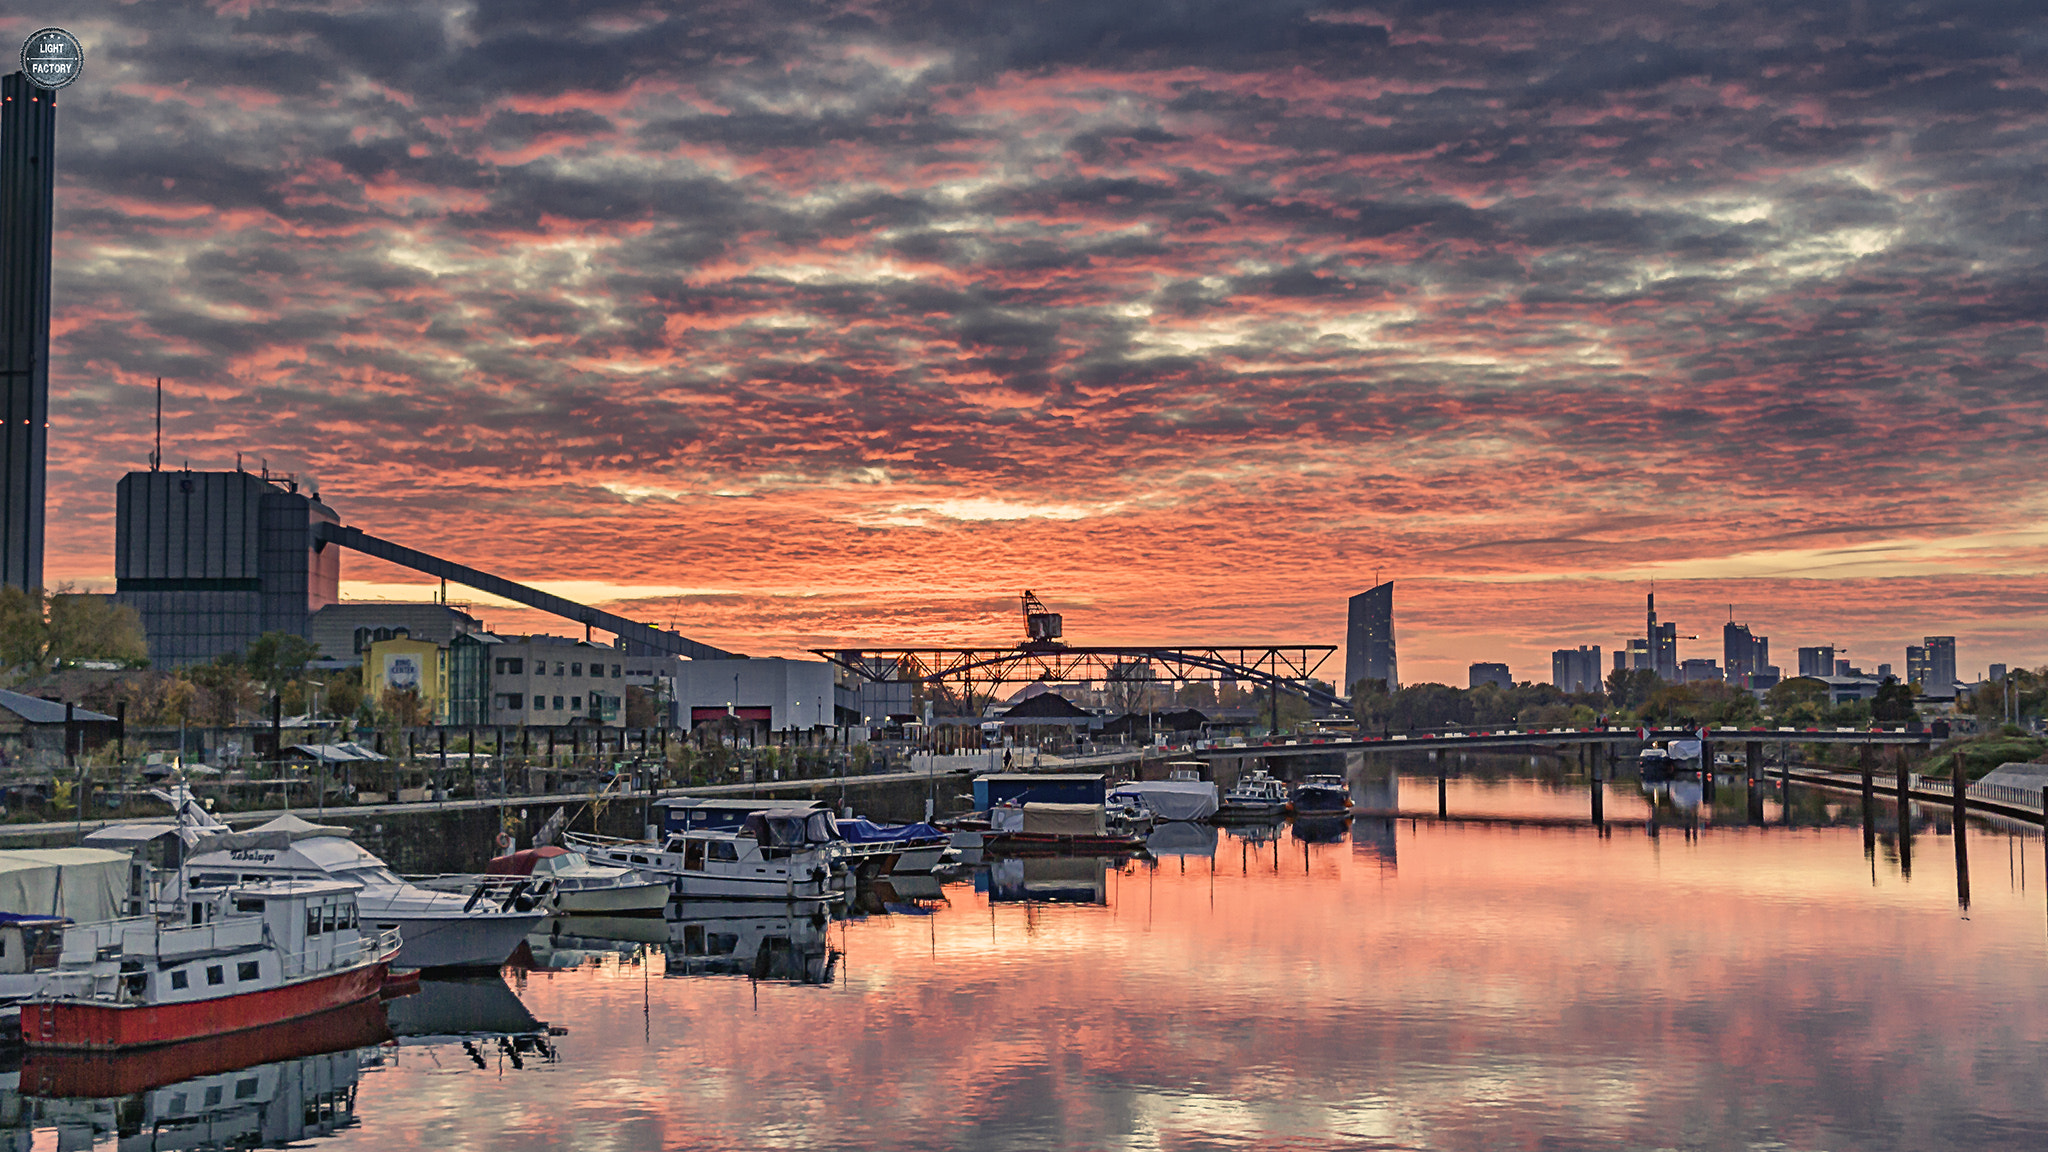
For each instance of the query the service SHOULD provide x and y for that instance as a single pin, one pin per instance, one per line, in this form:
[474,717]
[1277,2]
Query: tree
[277,658]
[403,708]
[1893,703]
[1630,688]
[40,632]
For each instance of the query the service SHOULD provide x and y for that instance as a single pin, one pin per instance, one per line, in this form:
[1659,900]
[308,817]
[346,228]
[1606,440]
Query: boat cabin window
[243,904]
[214,879]
[246,970]
[724,850]
[180,979]
[214,975]
[693,856]
[639,859]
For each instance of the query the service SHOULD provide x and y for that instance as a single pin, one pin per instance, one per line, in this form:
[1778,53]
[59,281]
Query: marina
[665,1029]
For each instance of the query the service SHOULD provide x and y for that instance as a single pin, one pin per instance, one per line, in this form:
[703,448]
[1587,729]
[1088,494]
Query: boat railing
[366,947]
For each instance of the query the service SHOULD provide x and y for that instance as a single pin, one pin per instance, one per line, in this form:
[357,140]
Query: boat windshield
[372,874]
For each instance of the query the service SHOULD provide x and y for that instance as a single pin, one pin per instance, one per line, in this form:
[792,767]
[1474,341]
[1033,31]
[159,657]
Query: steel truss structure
[1284,668]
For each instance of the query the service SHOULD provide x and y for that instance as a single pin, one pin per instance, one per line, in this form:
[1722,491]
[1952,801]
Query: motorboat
[436,929]
[891,848]
[1654,763]
[229,959]
[565,883]
[777,855]
[1036,827]
[1183,795]
[1126,816]
[1322,796]
[1255,796]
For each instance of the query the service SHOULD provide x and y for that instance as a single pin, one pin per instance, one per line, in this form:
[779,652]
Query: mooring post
[1443,802]
[1868,762]
[1900,761]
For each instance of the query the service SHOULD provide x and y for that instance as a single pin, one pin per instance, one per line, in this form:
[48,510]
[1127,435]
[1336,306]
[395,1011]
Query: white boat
[560,881]
[1256,796]
[777,855]
[1183,795]
[437,929]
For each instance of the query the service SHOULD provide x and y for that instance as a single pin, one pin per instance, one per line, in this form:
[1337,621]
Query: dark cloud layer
[922,301]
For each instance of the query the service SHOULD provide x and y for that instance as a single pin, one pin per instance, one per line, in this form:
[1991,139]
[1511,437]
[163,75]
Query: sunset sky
[804,323]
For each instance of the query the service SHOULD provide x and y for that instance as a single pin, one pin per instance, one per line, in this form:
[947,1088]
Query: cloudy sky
[795,323]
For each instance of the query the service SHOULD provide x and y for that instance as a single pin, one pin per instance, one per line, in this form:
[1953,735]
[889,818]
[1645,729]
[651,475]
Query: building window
[214,975]
[511,701]
[575,703]
[179,979]
[246,970]
[558,703]
[558,667]
[615,671]
[509,666]
[575,669]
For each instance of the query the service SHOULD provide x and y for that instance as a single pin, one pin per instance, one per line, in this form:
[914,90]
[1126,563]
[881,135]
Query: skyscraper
[1941,666]
[1576,669]
[1743,654]
[1369,638]
[1916,665]
[1817,661]
[1660,654]
[28,166]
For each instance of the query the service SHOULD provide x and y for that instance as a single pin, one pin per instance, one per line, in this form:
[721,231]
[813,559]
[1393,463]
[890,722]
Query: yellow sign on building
[418,666]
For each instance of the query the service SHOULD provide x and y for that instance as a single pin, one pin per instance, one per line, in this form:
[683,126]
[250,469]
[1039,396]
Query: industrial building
[1369,638]
[28,170]
[213,560]
[345,630]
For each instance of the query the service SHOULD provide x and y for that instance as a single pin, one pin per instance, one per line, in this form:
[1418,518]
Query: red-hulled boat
[233,959]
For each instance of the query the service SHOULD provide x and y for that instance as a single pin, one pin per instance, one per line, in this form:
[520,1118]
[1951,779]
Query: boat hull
[623,900]
[443,940]
[99,1026]
[919,860]
[1251,809]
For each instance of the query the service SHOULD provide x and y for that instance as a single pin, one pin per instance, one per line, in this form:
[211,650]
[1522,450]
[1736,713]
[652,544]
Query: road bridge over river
[1535,739]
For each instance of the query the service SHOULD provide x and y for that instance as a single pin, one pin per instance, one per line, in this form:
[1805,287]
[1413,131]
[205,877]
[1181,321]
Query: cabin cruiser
[437,929]
[910,849]
[1323,796]
[562,882]
[1256,796]
[778,854]
[229,959]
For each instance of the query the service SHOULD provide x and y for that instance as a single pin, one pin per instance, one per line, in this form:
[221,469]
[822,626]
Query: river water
[1395,984]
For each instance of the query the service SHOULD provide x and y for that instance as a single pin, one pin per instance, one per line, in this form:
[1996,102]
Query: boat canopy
[1063,819]
[790,827]
[865,831]
[524,861]
[83,885]
[277,835]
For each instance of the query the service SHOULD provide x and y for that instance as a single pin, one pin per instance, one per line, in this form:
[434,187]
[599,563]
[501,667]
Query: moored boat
[777,855]
[1322,797]
[230,959]
[1054,828]
[1255,796]
[1184,795]
[565,883]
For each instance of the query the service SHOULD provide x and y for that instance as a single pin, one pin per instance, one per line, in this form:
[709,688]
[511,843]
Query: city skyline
[799,326]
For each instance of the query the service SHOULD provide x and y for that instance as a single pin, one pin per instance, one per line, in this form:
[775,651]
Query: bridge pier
[1867,759]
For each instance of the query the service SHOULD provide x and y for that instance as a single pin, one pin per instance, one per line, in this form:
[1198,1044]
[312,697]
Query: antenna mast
[156,458]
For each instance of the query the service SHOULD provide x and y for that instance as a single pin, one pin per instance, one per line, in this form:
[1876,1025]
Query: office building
[213,560]
[1818,661]
[1743,654]
[1997,673]
[28,169]
[1635,656]
[1369,638]
[1576,669]
[1916,666]
[1941,666]
[406,665]
[1699,669]
[1494,674]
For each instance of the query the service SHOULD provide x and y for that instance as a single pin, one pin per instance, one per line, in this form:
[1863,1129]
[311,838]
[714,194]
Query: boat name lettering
[251,855]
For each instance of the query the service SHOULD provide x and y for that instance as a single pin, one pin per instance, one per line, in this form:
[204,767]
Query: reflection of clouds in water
[1504,988]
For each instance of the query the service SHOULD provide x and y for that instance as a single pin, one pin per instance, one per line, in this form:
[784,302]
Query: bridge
[1514,739]
[1269,669]
[634,636]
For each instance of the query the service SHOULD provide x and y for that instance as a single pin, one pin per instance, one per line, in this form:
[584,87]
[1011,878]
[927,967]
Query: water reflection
[1045,880]
[779,943]
[199,1096]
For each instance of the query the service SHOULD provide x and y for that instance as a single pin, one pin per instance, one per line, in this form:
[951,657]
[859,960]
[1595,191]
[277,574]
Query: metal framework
[1285,668]
[629,632]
